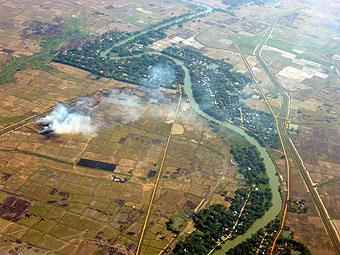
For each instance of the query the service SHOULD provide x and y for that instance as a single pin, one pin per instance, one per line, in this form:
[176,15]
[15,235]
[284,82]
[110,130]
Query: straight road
[291,149]
[277,121]
[158,176]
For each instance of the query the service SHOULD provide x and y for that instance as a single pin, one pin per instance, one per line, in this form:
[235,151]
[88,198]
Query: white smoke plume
[124,107]
[63,120]
[160,75]
[129,106]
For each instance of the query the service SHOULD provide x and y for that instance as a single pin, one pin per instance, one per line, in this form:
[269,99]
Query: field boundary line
[159,175]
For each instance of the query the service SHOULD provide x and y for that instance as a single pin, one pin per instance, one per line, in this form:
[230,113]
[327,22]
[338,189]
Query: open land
[51,202]
[309,74]
[305,62]
[95,207]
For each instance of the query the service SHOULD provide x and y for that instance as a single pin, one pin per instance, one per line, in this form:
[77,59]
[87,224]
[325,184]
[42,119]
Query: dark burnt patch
[190,205]
[152,174]
[130,246]
[74,43]
[157,142]
[5,176]
[110,7]
[122,140]
[53,191]
[97,165]
[13,208]
[8,51]
[38,29]
[61,198]
[121,203]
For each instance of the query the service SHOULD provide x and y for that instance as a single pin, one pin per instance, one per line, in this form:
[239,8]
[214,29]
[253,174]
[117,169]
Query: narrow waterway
[270,168]
[172,22]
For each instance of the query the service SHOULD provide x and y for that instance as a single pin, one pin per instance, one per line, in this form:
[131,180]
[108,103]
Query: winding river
[270,168]
[271,171]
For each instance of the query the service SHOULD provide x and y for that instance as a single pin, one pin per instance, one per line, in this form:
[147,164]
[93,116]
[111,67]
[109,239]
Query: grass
[40,64]
[176,223]
[7,77]
[9,70]
[38,155]
[326,125]
[13,119]
[40,59]
[231,137]
[164,127]
[289,48]
[78,24]
[248,43]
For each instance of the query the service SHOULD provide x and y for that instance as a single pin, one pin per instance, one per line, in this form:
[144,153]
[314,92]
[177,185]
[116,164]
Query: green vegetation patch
[297,206]
[176,224]
[13,119]
[164,127]
[248,43]
[235,3]
[250,203]
[217,92]
[261,243]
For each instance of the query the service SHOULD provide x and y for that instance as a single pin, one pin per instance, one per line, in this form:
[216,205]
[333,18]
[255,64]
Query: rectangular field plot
[97,164]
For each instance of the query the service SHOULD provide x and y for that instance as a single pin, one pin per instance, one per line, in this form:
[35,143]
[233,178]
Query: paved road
[138,249]
[277,122]
[292,151]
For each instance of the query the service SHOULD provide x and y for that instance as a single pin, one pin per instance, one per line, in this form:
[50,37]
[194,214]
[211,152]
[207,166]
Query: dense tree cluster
[217,222]
[296,206]
[218,92]
[93,56]
[216,88]
[242,2]
[261,243]
[285,246]
[139,43]
[132,70]
[103,42]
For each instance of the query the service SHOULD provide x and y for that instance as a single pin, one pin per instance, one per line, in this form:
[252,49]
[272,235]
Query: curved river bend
[270,168]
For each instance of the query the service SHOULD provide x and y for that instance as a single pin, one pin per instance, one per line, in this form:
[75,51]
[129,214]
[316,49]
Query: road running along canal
[274,210]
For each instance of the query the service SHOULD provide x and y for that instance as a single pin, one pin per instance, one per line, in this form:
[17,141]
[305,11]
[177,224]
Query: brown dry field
[93,17]
[101,214]
[315,108]
[48,203]
[308,227]
[35,91]
[69,208]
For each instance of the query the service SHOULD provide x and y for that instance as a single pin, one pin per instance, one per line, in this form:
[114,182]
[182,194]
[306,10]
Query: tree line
[215,223]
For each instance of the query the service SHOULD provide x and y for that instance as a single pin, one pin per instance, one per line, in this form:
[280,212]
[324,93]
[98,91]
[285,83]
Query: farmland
[93,207]
[138,176]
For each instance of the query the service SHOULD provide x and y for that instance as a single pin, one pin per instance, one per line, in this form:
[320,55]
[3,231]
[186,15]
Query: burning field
[79,179]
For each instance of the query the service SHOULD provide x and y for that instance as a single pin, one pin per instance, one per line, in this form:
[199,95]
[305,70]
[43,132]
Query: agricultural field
[51,202]
[308,227]
[301,52]
[76,193]
[86,189]
[34,33]
[307,68]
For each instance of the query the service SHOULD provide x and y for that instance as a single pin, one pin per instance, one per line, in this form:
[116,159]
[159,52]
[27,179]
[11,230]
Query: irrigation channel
[274,210]
[270,168]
